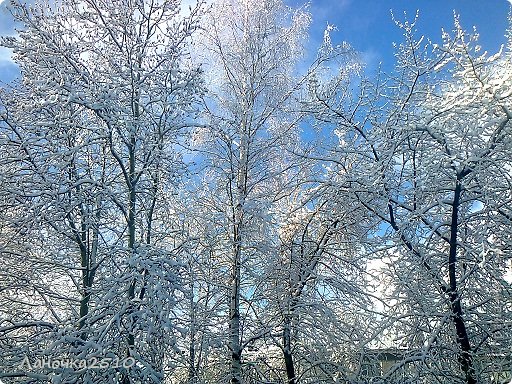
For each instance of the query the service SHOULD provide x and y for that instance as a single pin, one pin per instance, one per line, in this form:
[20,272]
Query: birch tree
[254,48]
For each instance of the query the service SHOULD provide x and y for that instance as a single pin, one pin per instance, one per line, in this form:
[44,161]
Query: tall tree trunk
[88,249]
[463,341]
[234,313]
[132,199]
[465,358]
[88,269]
[192,373]
[87,278]
[132,195]
[287,350]
[237,200]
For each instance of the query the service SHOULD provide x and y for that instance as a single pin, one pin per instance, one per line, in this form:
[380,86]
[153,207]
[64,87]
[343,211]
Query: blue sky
[367,24]
[7,68]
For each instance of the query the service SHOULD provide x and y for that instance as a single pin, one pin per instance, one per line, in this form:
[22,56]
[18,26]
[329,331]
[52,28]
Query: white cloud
[5,55]
[371,60]
[8,68]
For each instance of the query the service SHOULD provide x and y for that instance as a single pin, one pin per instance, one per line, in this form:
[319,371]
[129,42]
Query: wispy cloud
[371,59]
[332,12]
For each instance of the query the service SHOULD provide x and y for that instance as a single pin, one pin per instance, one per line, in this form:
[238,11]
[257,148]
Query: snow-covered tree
[212,230]
[92,127]
[430,161]
[253,49]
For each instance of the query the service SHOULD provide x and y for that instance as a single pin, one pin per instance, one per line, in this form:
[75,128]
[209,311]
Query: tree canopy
[190,196]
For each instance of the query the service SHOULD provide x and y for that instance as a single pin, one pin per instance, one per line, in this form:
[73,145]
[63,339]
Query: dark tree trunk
[287,351]
[234,315]
[465,358]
